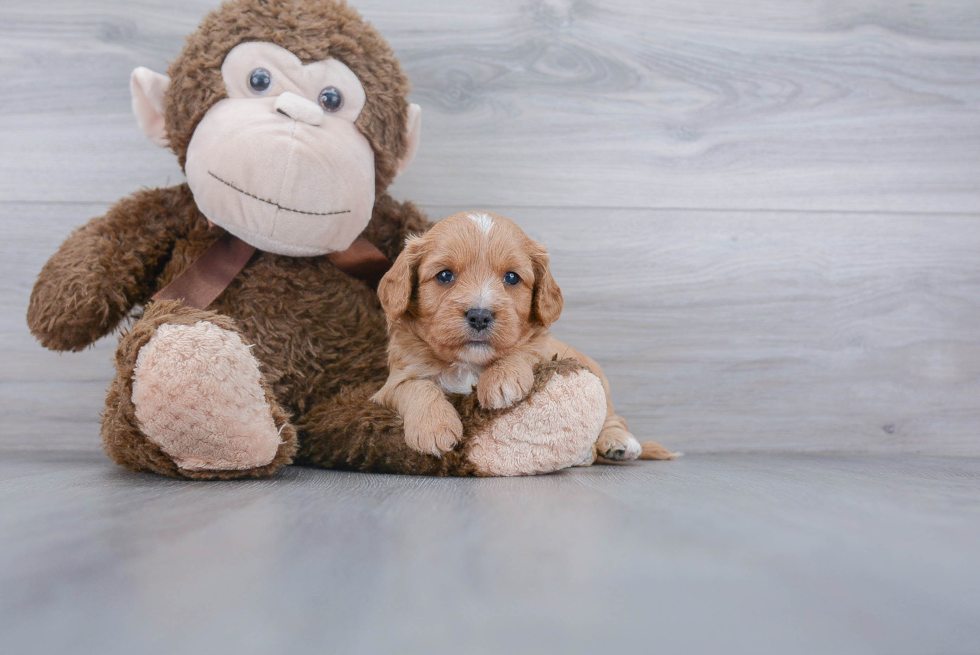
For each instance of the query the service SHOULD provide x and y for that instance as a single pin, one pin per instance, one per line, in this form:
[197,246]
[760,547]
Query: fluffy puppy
[469,304]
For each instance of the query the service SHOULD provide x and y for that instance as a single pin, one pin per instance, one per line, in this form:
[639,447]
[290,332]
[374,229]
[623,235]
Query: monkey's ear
[148,89]
[413,132]
[546,301]
[395,288]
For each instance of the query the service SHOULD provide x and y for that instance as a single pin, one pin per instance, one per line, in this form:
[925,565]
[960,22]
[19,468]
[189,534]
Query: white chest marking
[460,378]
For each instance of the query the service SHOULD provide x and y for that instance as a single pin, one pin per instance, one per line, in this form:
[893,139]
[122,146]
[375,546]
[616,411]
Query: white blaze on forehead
[482,220]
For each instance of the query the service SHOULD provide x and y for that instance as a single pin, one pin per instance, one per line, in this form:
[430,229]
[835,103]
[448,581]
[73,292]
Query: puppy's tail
[653,450]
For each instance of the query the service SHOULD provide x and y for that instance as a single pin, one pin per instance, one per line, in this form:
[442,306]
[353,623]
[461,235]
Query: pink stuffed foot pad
[198,396]
[553,429]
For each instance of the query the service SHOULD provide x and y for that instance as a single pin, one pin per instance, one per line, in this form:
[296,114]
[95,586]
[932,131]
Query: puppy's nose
[479,318]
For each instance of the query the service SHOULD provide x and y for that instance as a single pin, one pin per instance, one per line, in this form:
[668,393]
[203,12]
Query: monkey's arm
[106,267]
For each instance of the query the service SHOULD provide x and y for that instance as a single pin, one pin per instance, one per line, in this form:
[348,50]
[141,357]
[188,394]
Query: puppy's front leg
[506,381]
[432,425]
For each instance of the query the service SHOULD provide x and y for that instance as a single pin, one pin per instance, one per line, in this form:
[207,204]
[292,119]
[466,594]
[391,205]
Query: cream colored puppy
[469,304]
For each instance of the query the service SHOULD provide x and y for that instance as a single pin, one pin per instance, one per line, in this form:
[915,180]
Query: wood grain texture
[749,331]
[735,554]
[764,218]
[719,331]
[860,105]
[757,320]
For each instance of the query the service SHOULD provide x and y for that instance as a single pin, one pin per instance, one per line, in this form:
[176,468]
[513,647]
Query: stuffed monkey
[257,337]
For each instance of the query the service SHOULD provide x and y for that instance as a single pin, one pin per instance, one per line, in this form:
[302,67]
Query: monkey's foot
[198,396]
[554,428]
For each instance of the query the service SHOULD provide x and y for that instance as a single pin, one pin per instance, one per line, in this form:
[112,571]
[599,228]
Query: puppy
[469,304]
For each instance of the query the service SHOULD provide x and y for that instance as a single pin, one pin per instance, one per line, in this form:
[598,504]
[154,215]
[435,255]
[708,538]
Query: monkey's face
[261,114]
[280,163]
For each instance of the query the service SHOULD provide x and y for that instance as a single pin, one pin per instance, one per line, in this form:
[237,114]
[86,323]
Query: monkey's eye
[330,99]
[445,277]
[260,80]
[511,278]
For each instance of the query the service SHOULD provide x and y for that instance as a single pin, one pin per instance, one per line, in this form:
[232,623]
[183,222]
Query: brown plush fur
[121,436]
[318,334]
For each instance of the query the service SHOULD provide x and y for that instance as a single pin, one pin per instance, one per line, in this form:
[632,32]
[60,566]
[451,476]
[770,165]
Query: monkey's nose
[479,319]
[299,108]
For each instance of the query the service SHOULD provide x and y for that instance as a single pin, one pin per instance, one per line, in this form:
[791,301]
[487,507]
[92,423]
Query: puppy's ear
[546,301]
[396,287]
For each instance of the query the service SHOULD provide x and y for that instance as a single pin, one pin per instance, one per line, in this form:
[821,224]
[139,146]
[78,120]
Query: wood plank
[720,331]
[864,105]
[735,554]
[729,331]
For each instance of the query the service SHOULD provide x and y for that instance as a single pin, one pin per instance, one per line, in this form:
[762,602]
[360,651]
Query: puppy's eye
[260,80]
[445,277]
[511,278]
[331,100]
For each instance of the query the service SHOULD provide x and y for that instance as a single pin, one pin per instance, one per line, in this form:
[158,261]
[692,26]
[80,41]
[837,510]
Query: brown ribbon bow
[206,278]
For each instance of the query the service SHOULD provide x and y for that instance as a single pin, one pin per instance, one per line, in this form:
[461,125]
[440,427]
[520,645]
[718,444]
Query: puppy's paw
[433,430]
[617,444]
[501,387]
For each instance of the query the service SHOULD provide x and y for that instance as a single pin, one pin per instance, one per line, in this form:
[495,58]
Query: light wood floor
[765,219]
[730,553]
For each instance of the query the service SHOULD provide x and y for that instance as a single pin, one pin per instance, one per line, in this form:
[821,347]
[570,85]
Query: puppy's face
[473,288]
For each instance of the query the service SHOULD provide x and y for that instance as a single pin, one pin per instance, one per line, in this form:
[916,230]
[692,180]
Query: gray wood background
[765,216]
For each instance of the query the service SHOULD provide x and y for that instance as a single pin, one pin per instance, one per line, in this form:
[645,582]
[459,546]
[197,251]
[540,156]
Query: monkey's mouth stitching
[275,204]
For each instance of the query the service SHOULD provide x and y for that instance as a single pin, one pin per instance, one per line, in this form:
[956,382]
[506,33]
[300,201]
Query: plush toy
[260,339]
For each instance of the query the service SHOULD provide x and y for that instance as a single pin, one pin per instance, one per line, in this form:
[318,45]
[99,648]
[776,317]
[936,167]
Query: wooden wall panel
[720,331]
[767,105]
[764,215]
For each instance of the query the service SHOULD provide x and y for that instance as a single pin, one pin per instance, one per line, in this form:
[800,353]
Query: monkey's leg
[348,431]
[553,428]
[189,400]
[615,442]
